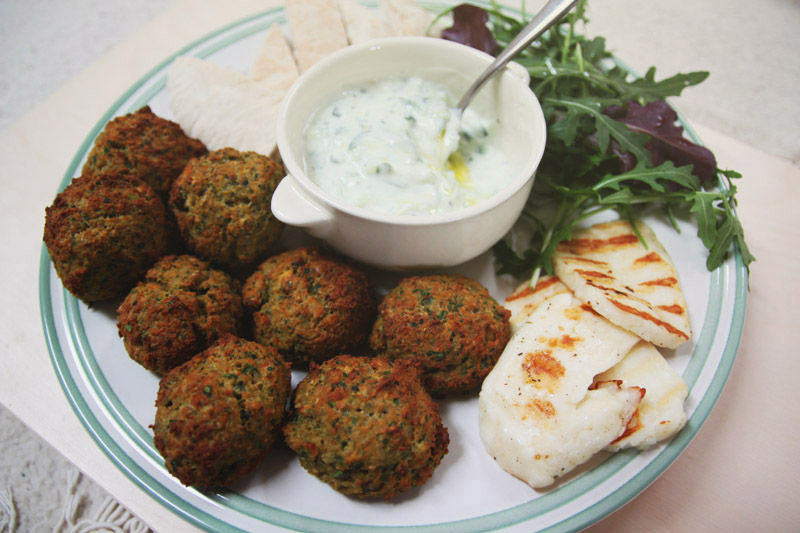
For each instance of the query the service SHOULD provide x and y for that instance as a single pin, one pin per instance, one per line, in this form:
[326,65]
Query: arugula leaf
[704,209]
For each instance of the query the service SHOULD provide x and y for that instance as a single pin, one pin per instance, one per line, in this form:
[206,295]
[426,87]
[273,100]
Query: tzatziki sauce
[398,146]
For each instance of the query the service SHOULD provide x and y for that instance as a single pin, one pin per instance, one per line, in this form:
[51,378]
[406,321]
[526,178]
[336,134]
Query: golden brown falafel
[104,231]
[447,322]
[366,426]
[180,308]
[221,203]
[218,414]
[143,144]
[310,304]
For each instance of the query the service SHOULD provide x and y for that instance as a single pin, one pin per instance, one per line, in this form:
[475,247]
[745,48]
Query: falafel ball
[310,304]
[218,414]
[447,322]
[366,426]
[143,144]
[103,232]
[180,308]
[221,203]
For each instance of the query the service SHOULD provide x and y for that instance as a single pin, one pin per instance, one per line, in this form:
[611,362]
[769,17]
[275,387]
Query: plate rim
[591,514]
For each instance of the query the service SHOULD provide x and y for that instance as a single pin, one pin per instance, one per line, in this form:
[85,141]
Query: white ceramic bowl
[406,241]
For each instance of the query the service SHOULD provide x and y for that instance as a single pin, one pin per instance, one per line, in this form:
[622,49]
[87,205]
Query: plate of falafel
[249,378]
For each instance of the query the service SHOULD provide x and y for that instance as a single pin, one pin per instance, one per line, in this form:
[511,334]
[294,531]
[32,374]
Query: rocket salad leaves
[612,143]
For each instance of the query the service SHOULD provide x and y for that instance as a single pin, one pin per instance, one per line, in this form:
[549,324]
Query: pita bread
[635,287]
[317,29]
[363,23]
[538,416]
[407,17]
[274,60]
[223,108]
[661,413]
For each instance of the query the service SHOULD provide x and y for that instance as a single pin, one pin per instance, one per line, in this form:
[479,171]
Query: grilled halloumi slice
[661,413]
[537,415]
[635,287]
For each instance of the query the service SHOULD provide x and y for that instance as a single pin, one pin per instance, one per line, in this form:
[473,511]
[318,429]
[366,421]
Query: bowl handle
[292,205]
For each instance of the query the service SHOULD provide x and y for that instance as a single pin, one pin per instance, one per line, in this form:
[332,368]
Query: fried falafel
[103,232]
[143,144]
[218,414]
[221,203]
[447,322]
[310,304]
[366,426]
[180,308]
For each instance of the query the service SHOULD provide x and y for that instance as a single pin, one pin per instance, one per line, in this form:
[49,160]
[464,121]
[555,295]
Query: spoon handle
[549,15]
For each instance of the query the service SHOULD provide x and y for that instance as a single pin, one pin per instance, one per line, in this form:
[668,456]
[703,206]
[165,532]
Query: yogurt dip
[398,146]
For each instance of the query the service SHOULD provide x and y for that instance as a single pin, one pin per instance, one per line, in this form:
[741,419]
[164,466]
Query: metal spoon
[549,15]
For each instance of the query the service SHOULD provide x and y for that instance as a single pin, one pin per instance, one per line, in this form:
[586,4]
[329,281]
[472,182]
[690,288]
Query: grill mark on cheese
[652,257]
[674,309]
[588,308]
[587,274]
[575,313]
[580,246]
[542,369]
[543,407]
[578,259]
[605,289]
[565,341]
[647,316]
[661,282]
[527,291]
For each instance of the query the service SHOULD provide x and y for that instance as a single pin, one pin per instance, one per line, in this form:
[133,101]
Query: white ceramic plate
[114,397]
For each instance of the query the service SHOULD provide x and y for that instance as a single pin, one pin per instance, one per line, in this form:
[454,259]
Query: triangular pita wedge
[407,17]
[317,30]
[274,60]
[537,415]
[364,23]
[634,287]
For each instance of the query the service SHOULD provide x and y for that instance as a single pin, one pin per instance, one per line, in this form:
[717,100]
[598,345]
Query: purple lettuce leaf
[469,28]
[667,143]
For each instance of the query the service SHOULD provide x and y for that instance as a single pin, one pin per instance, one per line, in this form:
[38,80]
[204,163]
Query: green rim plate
[575,504]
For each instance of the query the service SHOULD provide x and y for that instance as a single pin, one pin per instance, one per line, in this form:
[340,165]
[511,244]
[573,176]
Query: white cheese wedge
[635,287]
[537,415]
